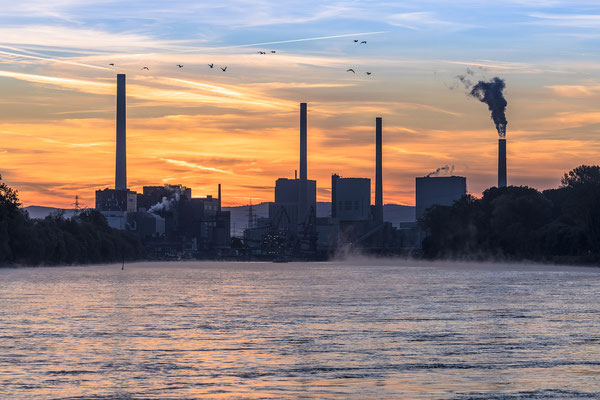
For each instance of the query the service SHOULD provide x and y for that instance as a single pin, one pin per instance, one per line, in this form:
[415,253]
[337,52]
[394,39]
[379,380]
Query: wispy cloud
[191,165]
[589,21]
[68,37]
[86,86]
[222,97]
[54,60]
[424,20]
[576,91]
[309,39]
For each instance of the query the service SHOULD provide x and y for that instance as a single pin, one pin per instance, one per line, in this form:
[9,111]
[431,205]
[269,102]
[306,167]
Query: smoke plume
[164,205]
[491,94]
[442,171]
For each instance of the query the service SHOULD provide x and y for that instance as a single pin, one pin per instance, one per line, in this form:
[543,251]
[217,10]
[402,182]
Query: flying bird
[211,65]
[368,73]
[224,69]
[111,64]
[355,40]
[145,68]
[350,70]
[363,42]
[180,66]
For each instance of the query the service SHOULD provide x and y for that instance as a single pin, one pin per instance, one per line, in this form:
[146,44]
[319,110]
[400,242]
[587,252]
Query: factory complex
[173,224]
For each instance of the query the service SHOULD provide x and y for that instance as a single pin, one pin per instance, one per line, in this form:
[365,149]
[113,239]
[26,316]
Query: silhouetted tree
[55,240]
[520,222]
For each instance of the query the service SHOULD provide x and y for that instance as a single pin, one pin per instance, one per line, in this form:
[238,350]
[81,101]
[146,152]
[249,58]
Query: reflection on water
[332,330]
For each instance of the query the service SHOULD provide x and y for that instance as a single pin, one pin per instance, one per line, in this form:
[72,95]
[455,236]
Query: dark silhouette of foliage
[55,240]
[517,223]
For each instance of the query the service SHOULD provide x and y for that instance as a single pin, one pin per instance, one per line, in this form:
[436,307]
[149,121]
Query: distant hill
[41,212]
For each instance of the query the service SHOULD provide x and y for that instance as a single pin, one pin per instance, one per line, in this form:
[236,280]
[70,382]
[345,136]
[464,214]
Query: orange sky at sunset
[198,126]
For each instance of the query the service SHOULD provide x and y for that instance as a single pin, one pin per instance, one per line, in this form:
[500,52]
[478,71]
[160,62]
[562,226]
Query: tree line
[521,223]
[56,240]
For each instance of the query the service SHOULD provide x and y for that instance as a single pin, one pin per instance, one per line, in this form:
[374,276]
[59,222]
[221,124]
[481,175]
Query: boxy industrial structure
[438,190]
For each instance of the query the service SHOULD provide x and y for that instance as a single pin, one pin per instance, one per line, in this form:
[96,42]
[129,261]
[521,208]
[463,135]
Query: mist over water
[346,329]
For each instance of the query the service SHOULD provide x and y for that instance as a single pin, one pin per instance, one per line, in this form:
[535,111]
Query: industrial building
[350,198]
[293,229]
[438,190]
[285,210]
[115,203]
[170,221]
[167,218]
[116,200]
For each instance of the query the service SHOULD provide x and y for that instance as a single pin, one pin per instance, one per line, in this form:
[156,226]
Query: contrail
[52,59]
[299,40]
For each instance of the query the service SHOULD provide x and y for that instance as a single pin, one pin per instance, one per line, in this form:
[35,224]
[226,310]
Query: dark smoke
[491,94]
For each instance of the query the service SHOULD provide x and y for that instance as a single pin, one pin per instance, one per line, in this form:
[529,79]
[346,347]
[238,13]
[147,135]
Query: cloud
[581,21]
[65,37]
[424,20]
[55,60]
[309,39]
[85,86]
[565,120]
[194,166]
[576,91]
[227,98]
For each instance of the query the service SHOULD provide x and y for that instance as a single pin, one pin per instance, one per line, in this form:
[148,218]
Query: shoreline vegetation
[518,223]
[55,240]
[510,225]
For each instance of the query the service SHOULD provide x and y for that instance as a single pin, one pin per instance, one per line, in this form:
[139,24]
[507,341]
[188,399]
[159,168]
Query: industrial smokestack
[334,179]
[121,162]
[303,189]
[219,205]
[501,163]
[378,172]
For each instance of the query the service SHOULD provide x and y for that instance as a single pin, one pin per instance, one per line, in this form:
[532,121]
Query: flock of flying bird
[259,52]
[351,69]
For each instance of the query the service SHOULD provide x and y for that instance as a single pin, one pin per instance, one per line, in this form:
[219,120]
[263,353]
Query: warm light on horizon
[200,126]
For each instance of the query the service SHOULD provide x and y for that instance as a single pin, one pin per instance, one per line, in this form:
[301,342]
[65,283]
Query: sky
[201,126]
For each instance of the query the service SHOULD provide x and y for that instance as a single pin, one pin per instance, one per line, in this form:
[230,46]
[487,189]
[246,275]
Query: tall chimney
[378,172]
[501,163]
[121,164]
[303,200]
[219,204]
[334,179]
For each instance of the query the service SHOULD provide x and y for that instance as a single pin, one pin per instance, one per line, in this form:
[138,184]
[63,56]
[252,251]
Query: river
[358,329]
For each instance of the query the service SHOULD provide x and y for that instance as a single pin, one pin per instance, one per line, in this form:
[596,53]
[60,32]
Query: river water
[362,329]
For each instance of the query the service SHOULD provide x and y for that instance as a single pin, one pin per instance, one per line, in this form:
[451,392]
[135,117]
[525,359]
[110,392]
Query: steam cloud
[164,205]
[491,94]
[442,171]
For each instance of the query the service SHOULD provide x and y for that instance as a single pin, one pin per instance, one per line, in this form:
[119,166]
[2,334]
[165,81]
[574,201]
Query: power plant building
[438,190]
[116,200]
[350,198]
[167,217]
[115,203]
[285,211]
